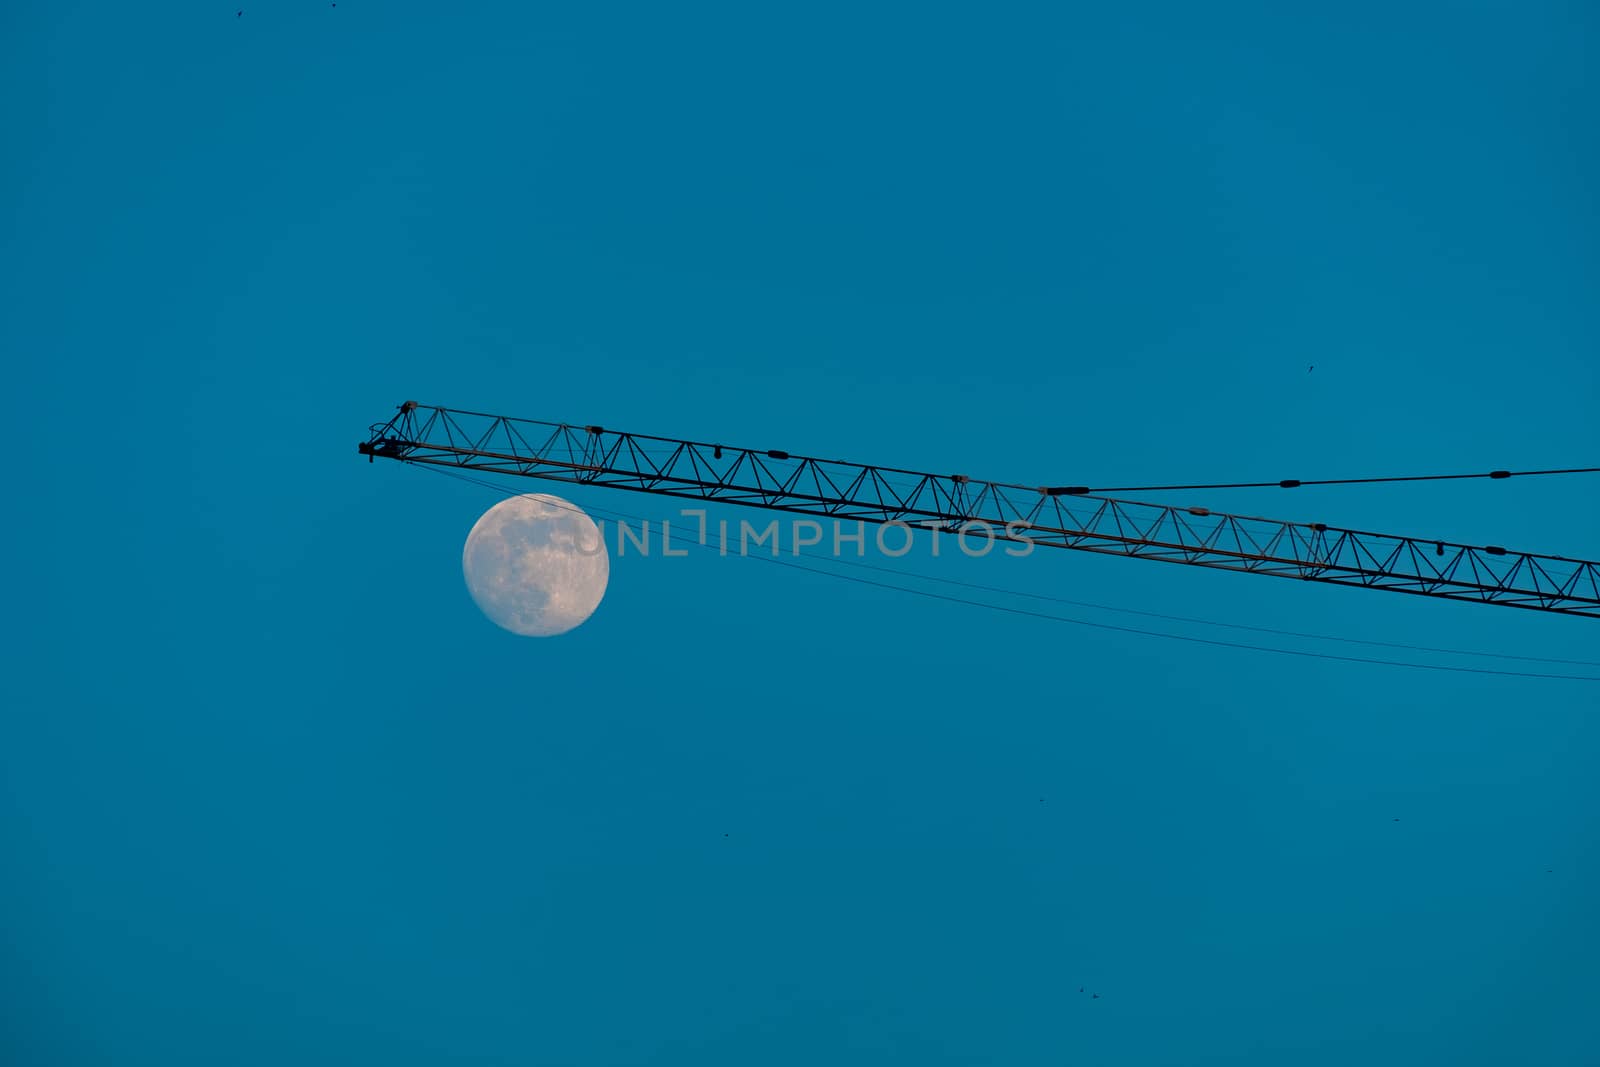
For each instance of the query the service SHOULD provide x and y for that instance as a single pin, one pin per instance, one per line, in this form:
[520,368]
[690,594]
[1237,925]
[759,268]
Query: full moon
[536,565]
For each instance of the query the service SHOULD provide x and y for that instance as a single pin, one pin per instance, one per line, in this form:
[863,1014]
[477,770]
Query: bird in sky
[1094,996]
[1311,368]
[1080,989]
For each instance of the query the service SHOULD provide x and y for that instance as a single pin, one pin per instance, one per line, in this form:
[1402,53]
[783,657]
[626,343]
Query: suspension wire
[1296,483]
[1283,483]
[686,539]
[901,572]
[1204,622]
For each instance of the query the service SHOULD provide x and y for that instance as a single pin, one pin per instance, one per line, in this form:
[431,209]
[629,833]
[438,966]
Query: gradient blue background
[273,791]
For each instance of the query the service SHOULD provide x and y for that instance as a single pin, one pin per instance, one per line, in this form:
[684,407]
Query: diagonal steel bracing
[1056,516]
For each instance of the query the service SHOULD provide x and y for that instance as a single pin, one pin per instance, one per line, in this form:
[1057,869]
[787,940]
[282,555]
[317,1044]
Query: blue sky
[272,790]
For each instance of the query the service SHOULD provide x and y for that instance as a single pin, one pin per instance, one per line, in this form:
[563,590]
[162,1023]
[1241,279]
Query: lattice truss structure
[1054,516]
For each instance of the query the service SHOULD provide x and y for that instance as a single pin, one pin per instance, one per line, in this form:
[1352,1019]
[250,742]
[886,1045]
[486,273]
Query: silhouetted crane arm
[1056,516]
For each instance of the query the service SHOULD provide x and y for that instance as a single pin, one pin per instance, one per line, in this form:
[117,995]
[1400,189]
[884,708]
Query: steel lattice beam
[1056,516]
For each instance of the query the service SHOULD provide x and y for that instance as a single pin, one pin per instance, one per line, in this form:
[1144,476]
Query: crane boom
[1056,516]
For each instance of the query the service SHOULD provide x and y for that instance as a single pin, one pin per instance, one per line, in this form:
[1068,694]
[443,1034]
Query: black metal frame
[1055,516]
